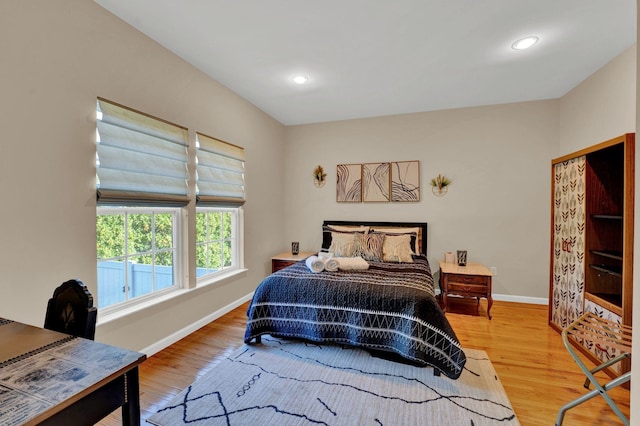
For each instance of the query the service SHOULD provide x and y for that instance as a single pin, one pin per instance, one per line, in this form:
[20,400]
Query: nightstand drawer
[277,264]
[468,279]
[468,289]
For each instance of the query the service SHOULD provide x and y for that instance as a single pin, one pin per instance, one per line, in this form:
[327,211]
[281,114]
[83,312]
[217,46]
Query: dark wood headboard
[422,228]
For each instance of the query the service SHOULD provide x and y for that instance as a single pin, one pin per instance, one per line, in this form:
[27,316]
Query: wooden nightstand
[285,259]
[472,280]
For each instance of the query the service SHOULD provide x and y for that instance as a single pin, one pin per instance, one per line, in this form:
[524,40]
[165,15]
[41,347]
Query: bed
[389,308]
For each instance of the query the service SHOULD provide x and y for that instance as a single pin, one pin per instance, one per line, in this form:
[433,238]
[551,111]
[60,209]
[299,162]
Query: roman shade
[141,160]
[220,172]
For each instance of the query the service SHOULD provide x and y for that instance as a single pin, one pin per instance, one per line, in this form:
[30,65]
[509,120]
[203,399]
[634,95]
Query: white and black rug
[285,382]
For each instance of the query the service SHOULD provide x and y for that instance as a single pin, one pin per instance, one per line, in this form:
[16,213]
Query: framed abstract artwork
[349,183]
[375,182]
[405,181]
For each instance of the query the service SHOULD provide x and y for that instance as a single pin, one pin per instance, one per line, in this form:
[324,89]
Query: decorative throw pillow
[342,243]
[329,230]
[397,248]
[368,246]
[413,232]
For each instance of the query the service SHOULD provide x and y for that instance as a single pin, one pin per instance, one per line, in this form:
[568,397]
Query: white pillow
[342,244]
[397,248]
[399,231]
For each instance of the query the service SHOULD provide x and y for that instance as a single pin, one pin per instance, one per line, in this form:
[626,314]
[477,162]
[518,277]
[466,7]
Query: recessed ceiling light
[525,43]
[300,78]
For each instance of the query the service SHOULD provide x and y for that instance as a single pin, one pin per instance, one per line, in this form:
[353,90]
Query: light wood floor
[535,369]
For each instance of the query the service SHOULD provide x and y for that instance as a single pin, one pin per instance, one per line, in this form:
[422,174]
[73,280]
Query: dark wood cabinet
[592,237]
[609,218]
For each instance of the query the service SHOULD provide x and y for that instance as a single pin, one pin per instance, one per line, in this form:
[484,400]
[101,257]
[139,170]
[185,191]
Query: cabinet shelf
[611,254]
[612,302]
[608,269]
[607,216]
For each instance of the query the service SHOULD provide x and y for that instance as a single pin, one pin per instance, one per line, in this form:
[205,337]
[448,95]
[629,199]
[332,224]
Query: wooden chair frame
[71,310]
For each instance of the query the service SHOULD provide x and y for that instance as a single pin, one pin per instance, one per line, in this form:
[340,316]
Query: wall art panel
[375,182]
[349,183]
[405,181]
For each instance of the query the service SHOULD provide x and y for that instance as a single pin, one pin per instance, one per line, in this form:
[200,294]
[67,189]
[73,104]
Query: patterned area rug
[285,382]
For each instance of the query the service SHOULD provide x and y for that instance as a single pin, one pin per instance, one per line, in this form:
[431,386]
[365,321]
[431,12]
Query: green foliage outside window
[213,240]
[110,236]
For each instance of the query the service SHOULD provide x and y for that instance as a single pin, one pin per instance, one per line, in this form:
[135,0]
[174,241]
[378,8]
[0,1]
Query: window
[220,195]
[141,183]
[216,240]
[136,250]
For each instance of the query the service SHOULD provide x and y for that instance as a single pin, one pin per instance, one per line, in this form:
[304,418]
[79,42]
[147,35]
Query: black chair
[71,310]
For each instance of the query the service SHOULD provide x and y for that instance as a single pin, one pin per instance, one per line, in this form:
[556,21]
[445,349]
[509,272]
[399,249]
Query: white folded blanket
[315,264]
[331,264]
[351,263]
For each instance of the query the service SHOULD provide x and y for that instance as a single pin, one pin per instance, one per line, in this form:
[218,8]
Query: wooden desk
[50,378]
[472,280]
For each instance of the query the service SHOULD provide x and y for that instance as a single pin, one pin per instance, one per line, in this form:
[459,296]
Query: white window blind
[141,160]
[220,172]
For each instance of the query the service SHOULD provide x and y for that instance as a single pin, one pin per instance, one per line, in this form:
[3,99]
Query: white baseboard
[521,299]
[173,338]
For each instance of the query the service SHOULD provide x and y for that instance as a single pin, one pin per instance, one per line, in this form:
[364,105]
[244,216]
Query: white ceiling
[370,58]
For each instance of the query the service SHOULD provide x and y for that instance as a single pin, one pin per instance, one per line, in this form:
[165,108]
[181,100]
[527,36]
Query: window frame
[237,263]
[177,249]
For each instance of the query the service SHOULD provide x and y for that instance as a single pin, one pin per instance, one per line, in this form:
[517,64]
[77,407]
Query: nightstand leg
[489,303]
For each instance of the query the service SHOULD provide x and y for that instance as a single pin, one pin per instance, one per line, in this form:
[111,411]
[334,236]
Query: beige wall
[498,157]
[601,107]
[497,207]
[57,57]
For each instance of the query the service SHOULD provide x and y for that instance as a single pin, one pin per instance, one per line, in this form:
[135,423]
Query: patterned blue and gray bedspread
[389,307]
